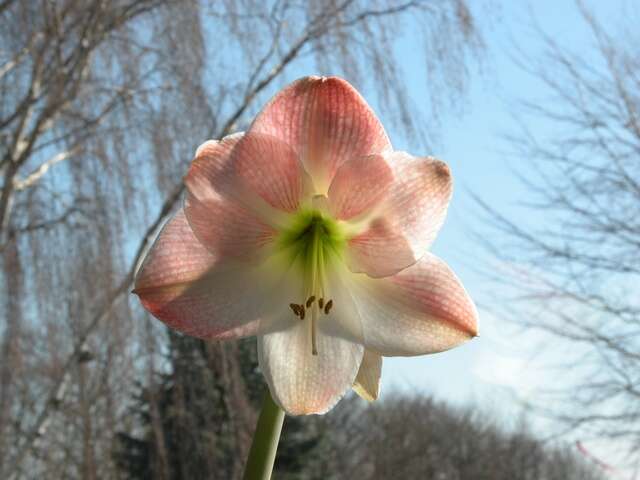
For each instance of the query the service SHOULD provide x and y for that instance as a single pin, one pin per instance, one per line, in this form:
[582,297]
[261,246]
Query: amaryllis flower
[311,232]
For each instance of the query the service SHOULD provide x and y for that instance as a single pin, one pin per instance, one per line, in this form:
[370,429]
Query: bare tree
[576,277]
[413,436]
[101,107]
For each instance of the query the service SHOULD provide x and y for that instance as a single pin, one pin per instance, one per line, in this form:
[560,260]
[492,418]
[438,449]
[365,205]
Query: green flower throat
[313,242]
[312,235]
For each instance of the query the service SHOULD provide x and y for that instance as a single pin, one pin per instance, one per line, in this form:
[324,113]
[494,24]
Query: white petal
[343,319]
[303,383]
[194,291]
[422,309]
[367,383]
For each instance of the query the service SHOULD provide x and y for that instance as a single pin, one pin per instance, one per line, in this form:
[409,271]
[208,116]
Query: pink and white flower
[310,232]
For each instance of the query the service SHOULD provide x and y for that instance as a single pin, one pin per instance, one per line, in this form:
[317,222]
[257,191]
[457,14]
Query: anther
[328,306]
[295,308]
[310,300]
[302,311]
[321,303]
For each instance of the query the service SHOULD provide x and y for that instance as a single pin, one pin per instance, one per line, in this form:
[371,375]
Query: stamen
[295,308]
[302,311]
[310,300]
[321,303]
[328,306]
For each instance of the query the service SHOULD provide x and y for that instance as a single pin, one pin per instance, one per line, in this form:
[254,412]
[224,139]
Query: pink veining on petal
[176,257]
[217,205]
[210,170]
[414,209]
[359,185]
[183,284]
[326,121]
[422,309]
[270,168]
[380,251]
[437,292]
[419,197]
[227,228]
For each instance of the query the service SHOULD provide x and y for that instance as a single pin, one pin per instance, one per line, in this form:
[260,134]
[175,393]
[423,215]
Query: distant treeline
[197,423]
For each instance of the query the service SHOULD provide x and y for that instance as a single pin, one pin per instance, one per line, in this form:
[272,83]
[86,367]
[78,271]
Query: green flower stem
[265,441]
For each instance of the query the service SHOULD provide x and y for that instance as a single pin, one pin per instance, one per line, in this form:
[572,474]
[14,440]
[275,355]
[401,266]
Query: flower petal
[407,223]
[326,121]
[186,286]
[367,383]
[255,170]
[302,383]
[210,170]
[422,309]
[380,251]
[270,168]
[342,319]
[227,228]
[358,186]
[220,222]
[236,188]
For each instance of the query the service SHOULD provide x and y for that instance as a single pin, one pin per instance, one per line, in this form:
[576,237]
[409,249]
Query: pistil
[316,268]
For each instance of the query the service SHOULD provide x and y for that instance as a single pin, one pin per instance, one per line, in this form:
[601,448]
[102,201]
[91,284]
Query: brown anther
[295,308]
[321,303]
[310,300]
[302,311]
[328,306]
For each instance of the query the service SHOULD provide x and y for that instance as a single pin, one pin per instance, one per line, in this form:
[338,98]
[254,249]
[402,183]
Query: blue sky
[502,363]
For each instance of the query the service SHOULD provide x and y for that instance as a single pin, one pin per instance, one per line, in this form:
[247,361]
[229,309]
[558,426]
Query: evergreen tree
[197,420]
